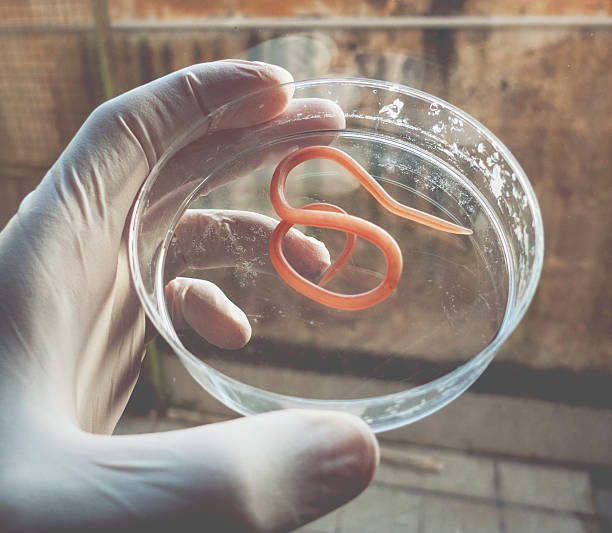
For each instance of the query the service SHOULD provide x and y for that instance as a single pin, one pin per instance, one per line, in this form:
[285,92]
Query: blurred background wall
[541,83]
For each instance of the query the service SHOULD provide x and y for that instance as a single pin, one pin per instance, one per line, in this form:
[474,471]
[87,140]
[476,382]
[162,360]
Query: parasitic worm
[324,215]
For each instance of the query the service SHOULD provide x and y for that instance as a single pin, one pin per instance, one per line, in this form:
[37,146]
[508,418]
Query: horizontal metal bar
[45,28]
[328,23]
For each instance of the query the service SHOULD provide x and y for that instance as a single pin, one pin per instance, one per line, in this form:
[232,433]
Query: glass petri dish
[458,299]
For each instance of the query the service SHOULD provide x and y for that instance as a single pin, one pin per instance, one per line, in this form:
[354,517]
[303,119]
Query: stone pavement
[468,493]
[433,489]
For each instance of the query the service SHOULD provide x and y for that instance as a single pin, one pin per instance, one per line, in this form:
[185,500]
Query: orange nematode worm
[322,215]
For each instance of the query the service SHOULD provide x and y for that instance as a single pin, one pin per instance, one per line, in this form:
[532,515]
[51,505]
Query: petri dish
[457,301]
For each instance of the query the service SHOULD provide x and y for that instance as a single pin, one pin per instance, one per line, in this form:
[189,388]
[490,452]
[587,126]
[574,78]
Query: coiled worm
[324,215]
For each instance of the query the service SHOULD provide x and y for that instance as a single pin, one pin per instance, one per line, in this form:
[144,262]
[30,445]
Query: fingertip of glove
[309,255]
[261,91]
[276,74]
[345,452]
[322,114]
[204,307]
[360,441]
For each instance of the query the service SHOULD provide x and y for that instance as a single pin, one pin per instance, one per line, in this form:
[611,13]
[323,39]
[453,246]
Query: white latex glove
[72,338]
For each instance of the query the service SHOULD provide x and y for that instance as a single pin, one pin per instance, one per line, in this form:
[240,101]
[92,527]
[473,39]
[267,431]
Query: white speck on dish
[392,110]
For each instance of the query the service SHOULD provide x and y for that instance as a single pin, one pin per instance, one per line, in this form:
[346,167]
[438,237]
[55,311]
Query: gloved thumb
[272,472]
[266,473]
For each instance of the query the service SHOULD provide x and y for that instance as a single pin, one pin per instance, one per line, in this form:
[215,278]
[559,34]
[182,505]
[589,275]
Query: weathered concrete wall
[545,92]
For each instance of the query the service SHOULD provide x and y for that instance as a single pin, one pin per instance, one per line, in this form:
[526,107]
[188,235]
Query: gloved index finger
[125,137]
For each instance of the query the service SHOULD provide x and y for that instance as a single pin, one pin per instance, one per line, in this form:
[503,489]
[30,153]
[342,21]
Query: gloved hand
[72,339]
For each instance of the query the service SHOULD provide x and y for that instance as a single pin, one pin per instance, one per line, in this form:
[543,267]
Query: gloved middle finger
[211,238]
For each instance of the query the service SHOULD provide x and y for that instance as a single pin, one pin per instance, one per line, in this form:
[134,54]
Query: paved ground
[429,489]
